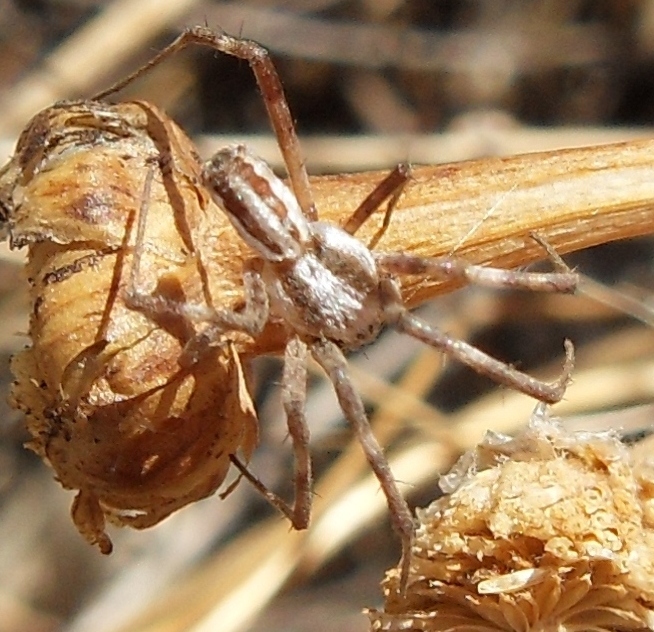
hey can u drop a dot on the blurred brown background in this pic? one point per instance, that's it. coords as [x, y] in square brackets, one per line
[370, 83]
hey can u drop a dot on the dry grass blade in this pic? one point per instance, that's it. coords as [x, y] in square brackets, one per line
[472, 136]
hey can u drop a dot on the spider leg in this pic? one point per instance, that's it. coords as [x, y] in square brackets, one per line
[390, 187]
[250, 320]
[294, 396]
[452, 267]
[294, 392]
[159, 307]
[472, 357]
[271, 90]
[82, 370]
[332, 360]
[134, 296]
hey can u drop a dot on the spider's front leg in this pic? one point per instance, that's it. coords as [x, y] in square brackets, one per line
[502, 373]
[250, 320]
[271, 89]
[161, 307]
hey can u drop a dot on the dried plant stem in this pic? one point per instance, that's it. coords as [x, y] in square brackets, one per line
[485, 210]
[482, 210]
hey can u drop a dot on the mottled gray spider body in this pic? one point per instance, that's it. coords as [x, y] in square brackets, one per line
[320, 281]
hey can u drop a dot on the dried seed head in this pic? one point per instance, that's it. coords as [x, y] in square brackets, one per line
[107, 403]
[547, 531]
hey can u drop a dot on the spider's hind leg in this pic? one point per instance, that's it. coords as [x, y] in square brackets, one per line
[500, 372]
[332, 360]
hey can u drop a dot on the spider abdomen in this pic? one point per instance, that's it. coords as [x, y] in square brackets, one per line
[330, 292]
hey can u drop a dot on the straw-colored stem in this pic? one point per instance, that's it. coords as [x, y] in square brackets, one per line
[485, 210]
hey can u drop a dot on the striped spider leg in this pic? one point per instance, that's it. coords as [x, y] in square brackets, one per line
[331, 291]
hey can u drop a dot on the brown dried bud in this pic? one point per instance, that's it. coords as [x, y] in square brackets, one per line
[547, 531]
[107, 403]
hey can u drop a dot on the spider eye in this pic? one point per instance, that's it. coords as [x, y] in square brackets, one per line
[259, 205]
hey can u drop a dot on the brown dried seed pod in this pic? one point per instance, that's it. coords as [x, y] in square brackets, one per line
[107, 403]
[548, 531]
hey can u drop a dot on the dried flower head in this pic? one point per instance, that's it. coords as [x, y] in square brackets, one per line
[551, 530]
[107, 403]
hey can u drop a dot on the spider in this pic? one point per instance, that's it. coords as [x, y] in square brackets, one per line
[331, 291]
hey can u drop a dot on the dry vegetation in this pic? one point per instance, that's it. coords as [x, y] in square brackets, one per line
[370, 83]
[549, 530]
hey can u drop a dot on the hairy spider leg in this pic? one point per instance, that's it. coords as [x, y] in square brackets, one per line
[294, 397]
[391, 188]
[333, 362]
[398, 315]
